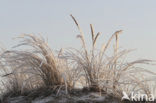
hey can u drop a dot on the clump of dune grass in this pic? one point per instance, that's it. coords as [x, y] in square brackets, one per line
[108, 73]
[34, 66]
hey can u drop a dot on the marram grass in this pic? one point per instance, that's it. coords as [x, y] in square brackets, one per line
[35, 65]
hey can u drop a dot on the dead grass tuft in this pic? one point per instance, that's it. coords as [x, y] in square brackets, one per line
[105, 72]
[32, 68]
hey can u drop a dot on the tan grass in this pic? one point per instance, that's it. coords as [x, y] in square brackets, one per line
[35, 65]
[107, 73]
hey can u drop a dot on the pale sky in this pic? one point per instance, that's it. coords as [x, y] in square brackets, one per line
[51, 18]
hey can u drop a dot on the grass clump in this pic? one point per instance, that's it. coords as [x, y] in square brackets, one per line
[34, 67]
[35, 70]
[105, 72]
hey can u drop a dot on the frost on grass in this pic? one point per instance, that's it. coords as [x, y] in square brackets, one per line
[32, 71]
